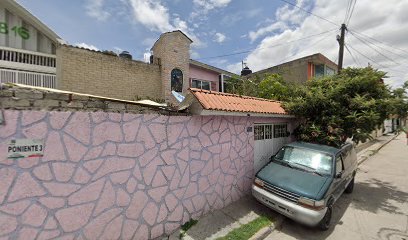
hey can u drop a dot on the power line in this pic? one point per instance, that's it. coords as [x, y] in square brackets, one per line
[276, 45]
[379, 64]
[374, 39]
[365, 43]
[312, 45]
[349, 4]
[377, 45]
[311, 13]
[354, 59]
[351, 13]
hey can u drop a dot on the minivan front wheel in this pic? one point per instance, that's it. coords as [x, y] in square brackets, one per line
[350, 187]
[325, 222]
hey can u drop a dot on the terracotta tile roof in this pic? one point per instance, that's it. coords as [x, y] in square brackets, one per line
[218, 101]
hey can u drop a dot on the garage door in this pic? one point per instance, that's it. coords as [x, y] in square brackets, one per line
[269, 138]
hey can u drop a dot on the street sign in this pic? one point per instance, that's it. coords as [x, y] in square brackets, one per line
[23, 148]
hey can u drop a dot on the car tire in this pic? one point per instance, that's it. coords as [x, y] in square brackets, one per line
[350, 187]
[324, 224]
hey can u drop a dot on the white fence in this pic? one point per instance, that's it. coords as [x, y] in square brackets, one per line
[28, 78]
[27, 57]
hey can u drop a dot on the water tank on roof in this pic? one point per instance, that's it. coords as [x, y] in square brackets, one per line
[245, 70]
[125, 54]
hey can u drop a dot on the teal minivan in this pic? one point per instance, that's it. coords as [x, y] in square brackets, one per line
[303, 181]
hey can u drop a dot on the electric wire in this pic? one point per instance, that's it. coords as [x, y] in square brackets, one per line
[378, 46]
[347, 10]
[365, 43]
[351, 54]
[372, 60]
[276, 45]
[312, 45]
[374, 39]
[351, 13]
[311, 13]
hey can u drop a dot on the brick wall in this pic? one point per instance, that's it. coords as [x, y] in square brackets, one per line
[173, 50]
[85, 71]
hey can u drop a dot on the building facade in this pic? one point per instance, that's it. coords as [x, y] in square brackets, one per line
[27, 47]
[302, 69]
[31, 54]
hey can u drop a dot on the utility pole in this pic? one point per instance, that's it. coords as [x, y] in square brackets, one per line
[340, 39]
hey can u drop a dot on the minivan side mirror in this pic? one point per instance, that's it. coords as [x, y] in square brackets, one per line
[339, 175]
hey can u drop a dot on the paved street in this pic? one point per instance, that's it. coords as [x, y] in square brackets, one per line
[378, 207]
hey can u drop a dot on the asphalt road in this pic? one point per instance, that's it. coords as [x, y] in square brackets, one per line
[378, 207]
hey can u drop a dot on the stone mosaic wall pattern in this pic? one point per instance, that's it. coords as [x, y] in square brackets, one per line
[119, 176]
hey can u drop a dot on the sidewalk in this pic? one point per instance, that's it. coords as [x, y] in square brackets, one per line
[373, 147]
[220, 222]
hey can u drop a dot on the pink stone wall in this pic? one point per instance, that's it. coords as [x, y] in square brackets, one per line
[112, 175]
[203, 74]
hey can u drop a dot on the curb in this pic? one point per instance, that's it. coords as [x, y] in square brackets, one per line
[264, 232]
[362, 159]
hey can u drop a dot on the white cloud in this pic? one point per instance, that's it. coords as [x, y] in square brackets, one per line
[285, 17]
[219, 37]
[389, 25]
[94, 8]
[152, 14]
[202, 7]
[87, 46]
[211, 4]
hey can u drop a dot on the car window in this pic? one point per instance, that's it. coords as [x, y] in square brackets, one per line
[312, 160]
[339, 164]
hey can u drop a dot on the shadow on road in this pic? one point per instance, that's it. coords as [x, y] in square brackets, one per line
[299, 231]
[374, 195]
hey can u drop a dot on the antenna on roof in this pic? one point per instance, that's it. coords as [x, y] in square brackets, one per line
[245, 69]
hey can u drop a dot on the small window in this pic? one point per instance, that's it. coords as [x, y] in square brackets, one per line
[200, 84]
[268, 131]
[330, 71]
[264, 131]
[259, 132]
[319, 70]
[177, 80]
[339, 164]
[280, 130]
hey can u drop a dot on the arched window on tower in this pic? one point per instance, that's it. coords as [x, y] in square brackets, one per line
[177, 80]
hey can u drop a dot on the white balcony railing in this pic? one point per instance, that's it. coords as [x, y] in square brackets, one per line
[23, 60]
[27, 57]
[28, 78]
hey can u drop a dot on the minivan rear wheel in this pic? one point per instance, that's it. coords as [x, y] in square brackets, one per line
[350, 187]
[325, 222]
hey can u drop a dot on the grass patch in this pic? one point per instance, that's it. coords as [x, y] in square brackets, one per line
[186, 226]
[246, 231]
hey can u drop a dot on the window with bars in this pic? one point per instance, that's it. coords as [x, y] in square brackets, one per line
[259, 132]
[280, 130]
[264, 131]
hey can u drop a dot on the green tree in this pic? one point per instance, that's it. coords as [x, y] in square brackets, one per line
[349, 105]
[399, 101]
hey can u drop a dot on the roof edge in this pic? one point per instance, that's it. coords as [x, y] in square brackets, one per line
[33, 20]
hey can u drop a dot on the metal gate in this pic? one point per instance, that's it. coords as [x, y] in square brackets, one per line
[269, 138]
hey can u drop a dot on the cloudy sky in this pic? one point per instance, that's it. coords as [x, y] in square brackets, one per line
[261, 32]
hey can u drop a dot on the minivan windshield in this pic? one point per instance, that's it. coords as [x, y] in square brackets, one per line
[306, 159]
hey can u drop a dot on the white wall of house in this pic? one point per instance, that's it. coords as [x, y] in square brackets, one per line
[10, 37]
